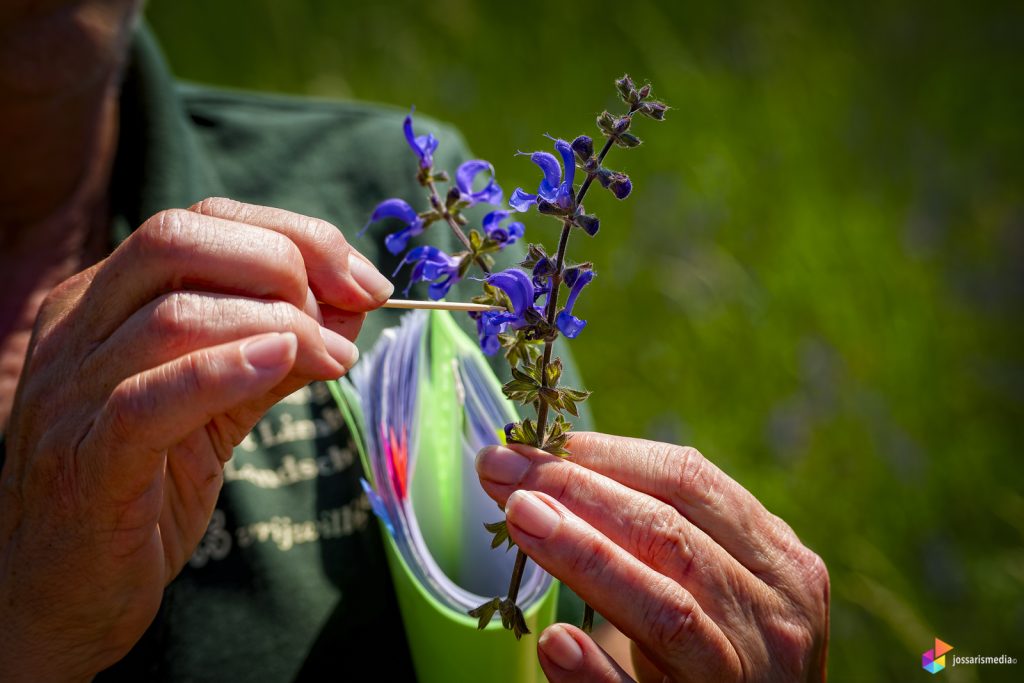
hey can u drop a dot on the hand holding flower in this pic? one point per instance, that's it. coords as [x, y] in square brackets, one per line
[707, 584]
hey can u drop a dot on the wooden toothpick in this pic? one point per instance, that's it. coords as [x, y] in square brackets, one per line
[439, 305]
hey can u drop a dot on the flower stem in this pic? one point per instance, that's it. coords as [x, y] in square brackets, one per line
[438, 205]
[542, 410]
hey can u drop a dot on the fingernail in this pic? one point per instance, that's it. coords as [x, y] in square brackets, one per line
[369, 278]
[340, 349]
[528, 512]
[501, 465]
[312, 308]
[561, 648]
[270, 351]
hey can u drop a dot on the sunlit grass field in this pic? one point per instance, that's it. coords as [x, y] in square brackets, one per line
[817, 280]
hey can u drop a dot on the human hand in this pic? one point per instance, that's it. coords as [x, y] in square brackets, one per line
[143, 373]
[707, 584]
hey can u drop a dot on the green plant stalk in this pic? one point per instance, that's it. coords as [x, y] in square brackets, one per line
[542, 410]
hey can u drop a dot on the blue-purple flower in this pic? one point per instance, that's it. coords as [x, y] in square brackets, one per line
[519, 288]
[423, 146]
[553, 188]
[432, 265]
[576, 279]
[506, 235]
[467, 173]
[396, 242]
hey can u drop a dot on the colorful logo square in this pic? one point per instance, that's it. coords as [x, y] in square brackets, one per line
[933, 661]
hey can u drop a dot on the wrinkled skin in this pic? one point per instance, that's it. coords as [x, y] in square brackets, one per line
[705, 582]
[126, 379]
[144, 372]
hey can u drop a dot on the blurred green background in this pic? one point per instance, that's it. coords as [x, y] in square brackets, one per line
[817, 280]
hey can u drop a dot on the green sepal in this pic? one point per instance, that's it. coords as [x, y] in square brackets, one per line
[627, 140]
[512, 618]
[553, 372]
[500, 531]
[484, 612]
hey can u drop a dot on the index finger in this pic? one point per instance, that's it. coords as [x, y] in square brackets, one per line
[688, 481]
[338, 274]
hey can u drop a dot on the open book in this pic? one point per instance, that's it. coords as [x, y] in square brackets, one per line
[420, 405]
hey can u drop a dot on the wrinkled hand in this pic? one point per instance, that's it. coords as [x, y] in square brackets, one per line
[143, 373]
[707, 584]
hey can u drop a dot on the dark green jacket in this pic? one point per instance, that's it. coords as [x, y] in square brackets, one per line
[290, 581]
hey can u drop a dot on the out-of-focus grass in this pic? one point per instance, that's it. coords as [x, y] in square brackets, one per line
[817, 280]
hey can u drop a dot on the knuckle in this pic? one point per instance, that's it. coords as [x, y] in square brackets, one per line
[689, 474]
[789, 642]
[126, 406]
[662, 542]
[590, 557]
[672, 618]
[190, 375]
[174, 320]
[211, 206]
[165, 229]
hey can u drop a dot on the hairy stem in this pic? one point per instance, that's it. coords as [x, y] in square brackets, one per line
[438, 205]
[542, 409]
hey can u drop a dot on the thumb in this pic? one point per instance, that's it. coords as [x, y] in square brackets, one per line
[567, 654]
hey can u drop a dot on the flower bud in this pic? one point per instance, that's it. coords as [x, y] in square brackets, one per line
[626, 88]
[627, 140]
[606, 122]
[644, 91]
[622, 125]
[620, 185]
[589, 224]
[453, 197]
[583, 146]
[655, 110]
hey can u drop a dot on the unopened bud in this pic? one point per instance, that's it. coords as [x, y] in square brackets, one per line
[583, 146]
[589, 224]
[655, 110]
[620, 185]
[606, 122]
[625, 87]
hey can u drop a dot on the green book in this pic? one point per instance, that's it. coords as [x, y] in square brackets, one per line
[421, 404]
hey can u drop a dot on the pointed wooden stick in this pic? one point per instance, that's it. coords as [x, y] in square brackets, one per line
[439, 305]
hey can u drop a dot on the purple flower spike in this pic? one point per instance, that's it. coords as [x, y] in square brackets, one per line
[504, 236]
[396, 242]
[432, 265]
[576, 279]
[423, 146]
[467, 173]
